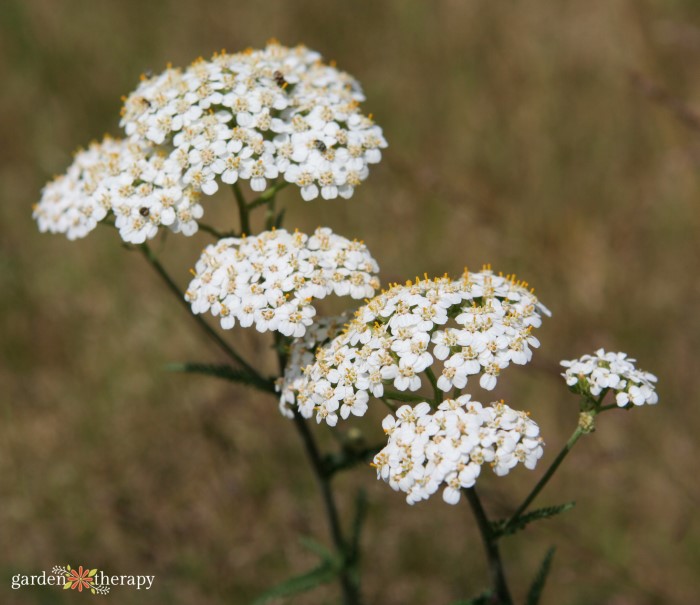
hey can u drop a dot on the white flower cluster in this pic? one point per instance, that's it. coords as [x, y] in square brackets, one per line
[448, 446]
[301, 354]
[271, 279]
[592, 374]
[257, 115]
[123, 178]
[401, 332]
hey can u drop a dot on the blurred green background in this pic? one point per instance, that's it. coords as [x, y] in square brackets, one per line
[553, 139]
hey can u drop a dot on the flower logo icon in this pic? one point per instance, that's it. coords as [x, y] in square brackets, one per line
[80, 578]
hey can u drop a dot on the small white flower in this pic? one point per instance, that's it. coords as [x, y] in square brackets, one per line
[594, 374]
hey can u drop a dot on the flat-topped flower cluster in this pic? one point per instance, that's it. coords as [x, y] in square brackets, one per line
[428, 449]
[399, 335]
[124, 179]
[271, 279]
[594, 374]
[257, 115]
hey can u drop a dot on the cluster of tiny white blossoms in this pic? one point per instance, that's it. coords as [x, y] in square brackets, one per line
[259, 115]
[301, 354]
[123, 178]
[271, 279]
[401, 333]
[277, 113]
[427, 449]
[593, 374]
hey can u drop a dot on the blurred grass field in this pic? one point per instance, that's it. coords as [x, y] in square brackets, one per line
[551, 139]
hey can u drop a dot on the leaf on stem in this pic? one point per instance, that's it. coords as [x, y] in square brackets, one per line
[323, 574]
[331, 565]
[507, 527]
[224, 372]
[485, 598]
[535, 592]
[319, 550]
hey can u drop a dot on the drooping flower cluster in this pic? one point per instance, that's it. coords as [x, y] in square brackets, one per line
[593, 374]
[428, 449]
[301, 354]
[261, 116]
[120, 177]
[271, 279]
[402, 332]
[258, 115]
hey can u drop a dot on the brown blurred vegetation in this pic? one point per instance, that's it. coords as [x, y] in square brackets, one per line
[554, 139]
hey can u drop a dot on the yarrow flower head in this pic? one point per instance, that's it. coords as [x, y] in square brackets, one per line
[593, 374]
[478, 324]
[258, 115]
[120, 178]
[429, 449]
[271, 279]
[277, 114]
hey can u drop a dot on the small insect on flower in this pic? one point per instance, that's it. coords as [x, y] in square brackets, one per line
[143, 211]
[320, 145]
[279, 79]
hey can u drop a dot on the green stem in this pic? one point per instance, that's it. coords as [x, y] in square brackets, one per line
[349, 586]
[548, 475]
[592, 407]
[267, 195]
[433, 381]
[498, 578]
[392, 407]
[211, 231]
[400, 396]
[270, 214]
[242, 209]
[172, 286]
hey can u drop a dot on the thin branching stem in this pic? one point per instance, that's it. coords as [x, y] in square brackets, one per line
[210, 332]
[351, 594]
[400, 396]
[576, 435]
[242, 209]
[501, 593]
[592, 407]
[209, 229]
[433, 381]
[391, 406]
[267, 196]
